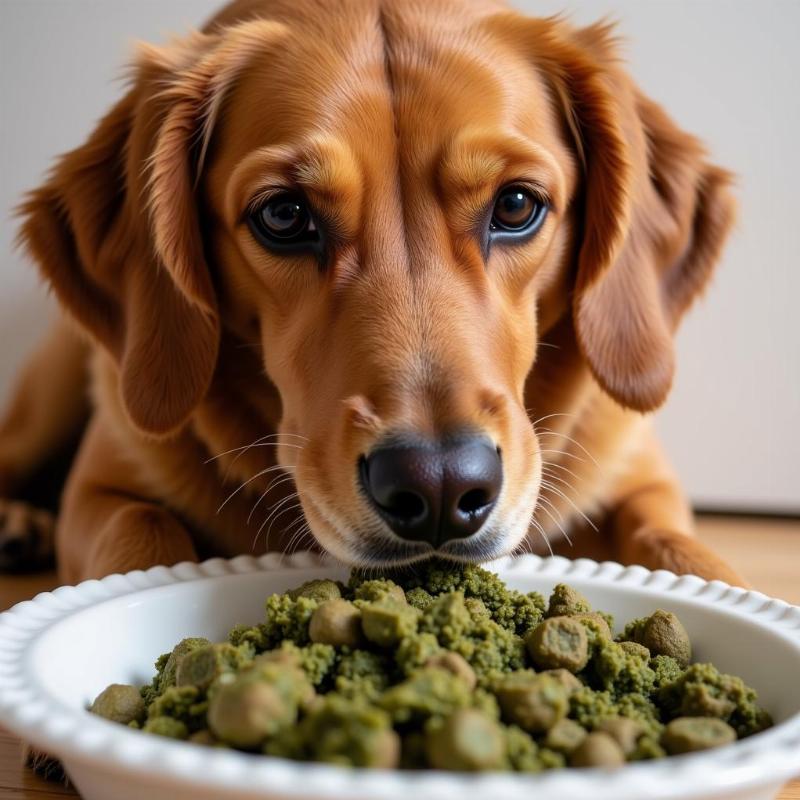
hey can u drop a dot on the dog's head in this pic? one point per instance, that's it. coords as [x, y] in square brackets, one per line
[393, 203]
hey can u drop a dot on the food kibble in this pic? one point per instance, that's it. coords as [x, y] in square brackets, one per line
[559, 642]
[534, 702]
[119, 703]
[387, 622]
[688, 734]
[456, 664]
[662, 634]
[443, 667]
[625, 731]
[336, 622]
[597, 750]
[467, 740]
[565, 736]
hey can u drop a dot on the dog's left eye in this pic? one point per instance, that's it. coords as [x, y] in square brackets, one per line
[517, 211]
[285, 222]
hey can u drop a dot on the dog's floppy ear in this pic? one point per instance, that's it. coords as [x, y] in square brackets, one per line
[655, 214]
[116, 233]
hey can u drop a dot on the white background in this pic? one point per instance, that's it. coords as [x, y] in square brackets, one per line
[727, 70]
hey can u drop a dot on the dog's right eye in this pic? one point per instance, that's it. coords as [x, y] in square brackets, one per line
[284, 222]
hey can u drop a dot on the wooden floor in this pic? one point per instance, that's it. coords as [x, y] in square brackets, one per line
[765, 552]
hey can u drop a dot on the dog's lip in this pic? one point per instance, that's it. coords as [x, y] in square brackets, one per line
[384, 550]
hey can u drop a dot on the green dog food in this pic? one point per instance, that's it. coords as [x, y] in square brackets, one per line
[443, 668]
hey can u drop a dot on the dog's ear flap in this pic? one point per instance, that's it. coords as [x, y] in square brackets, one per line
[139, 287]
[655, 214]
[675, 214]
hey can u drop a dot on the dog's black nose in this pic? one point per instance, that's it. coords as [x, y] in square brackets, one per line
[434, 492]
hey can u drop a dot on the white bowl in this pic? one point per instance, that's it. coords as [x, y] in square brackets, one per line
[59, 650]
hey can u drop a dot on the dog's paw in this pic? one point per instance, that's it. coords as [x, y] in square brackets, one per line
[680, 553]
[27, 541]
[45, 766]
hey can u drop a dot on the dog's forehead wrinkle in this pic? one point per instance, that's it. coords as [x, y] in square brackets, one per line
[384, 28]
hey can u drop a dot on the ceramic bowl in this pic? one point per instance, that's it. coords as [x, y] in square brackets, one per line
[59, 650]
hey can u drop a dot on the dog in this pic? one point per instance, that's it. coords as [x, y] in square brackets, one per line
[386, 278]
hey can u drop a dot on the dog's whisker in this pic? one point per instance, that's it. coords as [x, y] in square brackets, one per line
[275, 518]
[264, 438]
[558, 524]
[248, 481]
[562, 481]
[563, 453]
[302, 516]
[539, 528]
[278, 505]
[298, 538]
[273, 510]
[546, 431]
[274, 483]
[257, 443]
[276, 510]
[553, 488]
[523, 547]
[548, 464]
[548, 416]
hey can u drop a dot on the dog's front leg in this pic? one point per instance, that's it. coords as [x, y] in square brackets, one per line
[652, 522]
[107, 522]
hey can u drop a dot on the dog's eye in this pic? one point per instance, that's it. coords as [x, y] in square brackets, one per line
[517, 211]
[284, 222]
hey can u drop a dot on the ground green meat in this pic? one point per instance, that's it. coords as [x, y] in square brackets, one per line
[428, 692]
[525, 755]
[441, 667]
[167, 666]
[566, 602]
[702, 691]
[415, 651]
[621, 671]
[288, 618]
[342, 731]
[186, 703]
[361, 673]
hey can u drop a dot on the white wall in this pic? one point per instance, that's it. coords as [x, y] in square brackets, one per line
[726, 69]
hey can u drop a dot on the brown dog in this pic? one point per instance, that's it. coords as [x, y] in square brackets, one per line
[398, 276]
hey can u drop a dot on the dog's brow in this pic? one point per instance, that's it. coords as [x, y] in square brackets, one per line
[328, 170]
[473, 163]
[324, 168]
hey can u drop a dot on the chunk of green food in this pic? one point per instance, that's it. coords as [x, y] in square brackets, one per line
[387, 621]
[689, 734]
[203, 665]
[467, 740]
[319, 590]
[534, 703]
[559, 643]
[119, 703]
[455, 664]
[597, 750]
[566, 601]
[336, 622]
[626, 732]
[340, 731]
[662, 634]
[565, 736]
[245, 709]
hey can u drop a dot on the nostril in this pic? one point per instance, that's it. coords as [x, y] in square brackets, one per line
[406, 506]
[473, 501]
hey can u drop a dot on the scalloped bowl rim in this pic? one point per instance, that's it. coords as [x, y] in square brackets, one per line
[41, 719]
